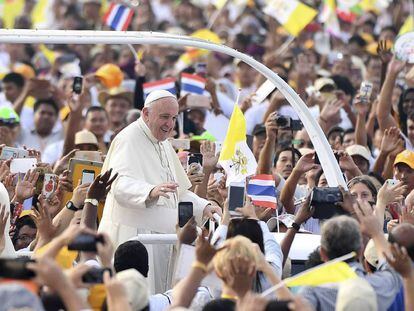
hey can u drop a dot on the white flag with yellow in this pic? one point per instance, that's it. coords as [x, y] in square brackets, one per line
[236, 158]
[293, 15]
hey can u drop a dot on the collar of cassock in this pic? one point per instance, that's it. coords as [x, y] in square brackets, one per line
[147, 131]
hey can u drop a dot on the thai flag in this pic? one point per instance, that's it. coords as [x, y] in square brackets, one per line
[262, 191]
[167, 84]
[192, 84]
[118, 16]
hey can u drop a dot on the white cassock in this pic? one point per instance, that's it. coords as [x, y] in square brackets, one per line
[143, 163]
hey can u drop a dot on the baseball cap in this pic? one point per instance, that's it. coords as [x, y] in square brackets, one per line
[8, 116]
[110, 75]
[136, 287]
[406, 157]
[85, 137]
[157, 94]
[322, 82]
[359, 150]
[370, 254]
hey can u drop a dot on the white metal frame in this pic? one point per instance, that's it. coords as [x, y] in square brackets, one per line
[329, 164]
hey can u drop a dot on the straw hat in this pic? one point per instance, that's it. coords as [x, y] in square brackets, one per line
[118, 92]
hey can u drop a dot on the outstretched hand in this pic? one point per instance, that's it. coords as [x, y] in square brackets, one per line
[101, 186]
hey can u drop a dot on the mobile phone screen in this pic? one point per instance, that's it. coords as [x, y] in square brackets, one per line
[88, 176]
[77, 85]
[236, 197]
[185, 212]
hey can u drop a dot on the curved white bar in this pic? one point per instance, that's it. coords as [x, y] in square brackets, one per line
[329, 164]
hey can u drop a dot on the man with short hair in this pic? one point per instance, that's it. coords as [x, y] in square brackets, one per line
[46, 113]
[151, 182]
[342, 235]
[404, 169]
[97, 122]
[117, 102]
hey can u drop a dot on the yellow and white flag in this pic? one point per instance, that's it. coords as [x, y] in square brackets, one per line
[236, 158]
[293, 15]
[407, 26]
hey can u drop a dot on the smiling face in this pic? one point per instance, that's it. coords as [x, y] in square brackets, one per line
[160, 117]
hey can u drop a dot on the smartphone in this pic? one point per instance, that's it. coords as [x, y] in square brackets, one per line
[236, 196]
[323, 201]
[88, 176]
[195, 160]
[49, 185]
[185, 212]
[365, 91]
[218, 176]
[16, 268]
[77, 85]
[85, 242]
[198, 101]
[95, 275]
[13, 153]
[22, 165]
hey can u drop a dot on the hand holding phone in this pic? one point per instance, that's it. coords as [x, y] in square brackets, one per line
[95, 275]
[77, 85]
[195, 160]
[236, 196]
[85, 242]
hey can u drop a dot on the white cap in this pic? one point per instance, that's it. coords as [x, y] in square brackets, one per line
[358, 150]
[158, 94]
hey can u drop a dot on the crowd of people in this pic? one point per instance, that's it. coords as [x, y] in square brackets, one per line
[60, 250]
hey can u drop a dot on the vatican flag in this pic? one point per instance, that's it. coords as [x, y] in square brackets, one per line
[236, 158]
[293, 15]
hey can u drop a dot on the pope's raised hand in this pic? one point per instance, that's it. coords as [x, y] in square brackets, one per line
[163, 190]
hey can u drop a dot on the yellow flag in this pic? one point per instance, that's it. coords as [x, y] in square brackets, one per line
[407, 26]
[12, 9]
[334, 272]
[49, 54]
[293, 15]
[236, 158]
[39, 17]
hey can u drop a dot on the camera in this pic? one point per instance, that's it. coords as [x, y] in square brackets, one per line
[326, 195]
[285, 122]
[324, 200]
[85, 242]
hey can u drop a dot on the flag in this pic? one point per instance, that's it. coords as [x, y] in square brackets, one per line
[328, 273]
[192, 84]
[40, 14]
[407, 26]
[193, 54]
[118, 16]
[262, 191]
[293, 15]
[329, 18]
[167, 84]
[11, 9]
[235, 157]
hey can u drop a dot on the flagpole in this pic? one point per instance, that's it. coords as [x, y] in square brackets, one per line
[131, 48]
[283, 283]
[285, 46]
[216, 15]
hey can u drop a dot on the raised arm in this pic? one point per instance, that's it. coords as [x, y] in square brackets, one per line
[267, 154]
[384, 108]
[305, 164]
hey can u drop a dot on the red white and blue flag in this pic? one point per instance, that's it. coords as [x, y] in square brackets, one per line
[167, 84]
[192, 84]
[118, 16]
[262, 191]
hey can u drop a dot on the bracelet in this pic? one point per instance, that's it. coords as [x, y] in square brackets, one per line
[199, 265]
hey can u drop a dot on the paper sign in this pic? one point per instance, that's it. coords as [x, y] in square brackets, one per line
[262, 92]
[404, 47]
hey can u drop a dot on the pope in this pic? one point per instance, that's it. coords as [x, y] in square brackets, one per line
[151, 182]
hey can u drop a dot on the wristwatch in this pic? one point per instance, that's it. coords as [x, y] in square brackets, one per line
[93, 202]
[72, 206]
[295, 226]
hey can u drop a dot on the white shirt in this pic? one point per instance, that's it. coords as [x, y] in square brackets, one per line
[31, 139]
[345, 122]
